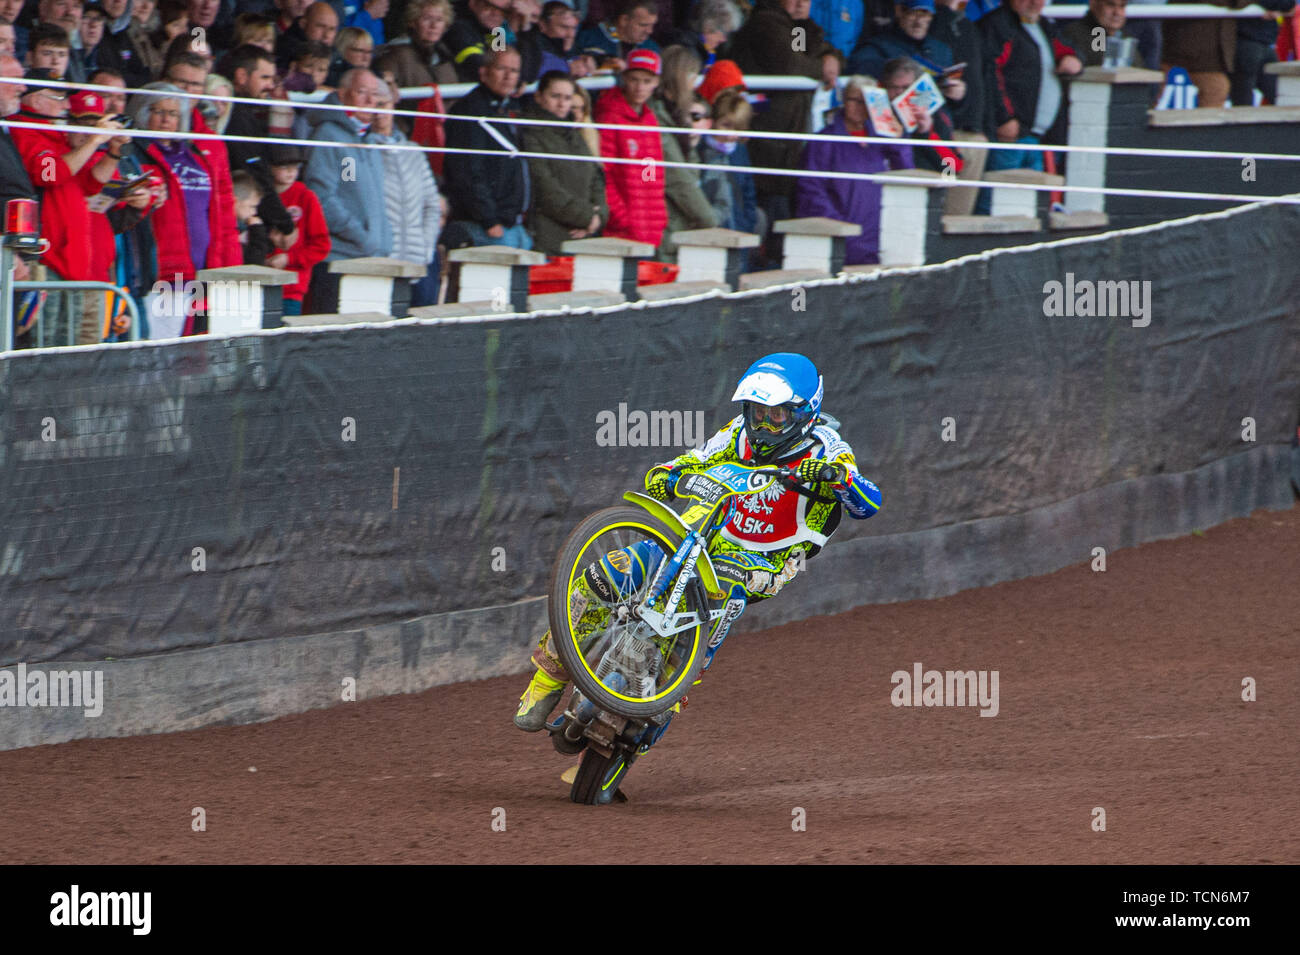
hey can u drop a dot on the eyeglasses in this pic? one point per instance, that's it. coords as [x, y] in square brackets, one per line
[165, 113]
[696, 117]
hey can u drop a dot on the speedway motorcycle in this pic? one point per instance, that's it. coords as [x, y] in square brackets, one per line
[634, 652]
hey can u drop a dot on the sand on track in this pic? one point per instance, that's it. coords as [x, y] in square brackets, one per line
[1119, 690]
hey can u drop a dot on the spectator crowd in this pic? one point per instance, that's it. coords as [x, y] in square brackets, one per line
[148, 214]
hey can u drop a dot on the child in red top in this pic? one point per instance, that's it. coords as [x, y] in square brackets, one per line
[311, 236]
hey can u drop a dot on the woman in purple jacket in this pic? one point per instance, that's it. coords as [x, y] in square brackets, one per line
[850, 200]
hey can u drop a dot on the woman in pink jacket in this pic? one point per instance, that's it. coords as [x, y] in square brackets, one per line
[635, 191]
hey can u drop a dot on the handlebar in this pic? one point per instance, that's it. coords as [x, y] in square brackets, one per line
[788, 475]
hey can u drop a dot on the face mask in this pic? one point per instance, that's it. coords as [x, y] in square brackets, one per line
[725, 148]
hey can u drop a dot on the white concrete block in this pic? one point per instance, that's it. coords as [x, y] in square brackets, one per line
[234, 307]
[1090, 93]
[905, 197]
[1288, 91]
[698, 263]
[1014, 202]
[807, 252]
[598, 273]
[366, 293]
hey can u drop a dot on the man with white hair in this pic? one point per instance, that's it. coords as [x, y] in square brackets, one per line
[348, 181]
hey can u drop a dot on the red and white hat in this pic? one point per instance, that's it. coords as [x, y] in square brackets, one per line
[647, 60]
[85, 103]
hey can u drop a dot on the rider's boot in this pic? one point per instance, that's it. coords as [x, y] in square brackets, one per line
[544, 689]
[538, 700]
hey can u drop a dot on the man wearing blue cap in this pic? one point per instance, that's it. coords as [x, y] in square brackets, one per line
[909, 36]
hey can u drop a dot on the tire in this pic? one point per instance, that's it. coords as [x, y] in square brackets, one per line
[586, 544]
[599, 777]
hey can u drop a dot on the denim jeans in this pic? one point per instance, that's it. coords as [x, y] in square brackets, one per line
[515, 236]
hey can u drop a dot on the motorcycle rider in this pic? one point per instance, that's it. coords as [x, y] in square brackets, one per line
[765, 543]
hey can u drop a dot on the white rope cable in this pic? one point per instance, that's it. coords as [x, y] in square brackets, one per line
[1159, 11]
[748, 134]
[943, 182]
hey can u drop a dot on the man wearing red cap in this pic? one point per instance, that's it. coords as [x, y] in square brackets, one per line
[634, 190]
[65, 173]
[88, 108]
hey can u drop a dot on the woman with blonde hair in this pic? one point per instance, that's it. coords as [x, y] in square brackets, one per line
[426, 24]
[218, 85]
[356, 46]
[677, 84]
[582, 119]
[687, 206]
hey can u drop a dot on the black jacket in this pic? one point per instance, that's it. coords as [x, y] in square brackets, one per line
[975, 112]
[484, 189]
[467, 41]
[14, 183]
[1018, 70]
[249, 120]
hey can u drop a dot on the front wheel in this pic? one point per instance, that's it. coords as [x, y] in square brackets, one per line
[618, 662]
[599, 777]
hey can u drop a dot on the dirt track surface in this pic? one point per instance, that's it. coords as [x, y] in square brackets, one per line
[1120, 690]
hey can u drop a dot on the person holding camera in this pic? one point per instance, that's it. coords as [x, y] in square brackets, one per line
[67, 168]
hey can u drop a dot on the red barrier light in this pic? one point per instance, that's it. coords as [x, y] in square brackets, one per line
[21, 217]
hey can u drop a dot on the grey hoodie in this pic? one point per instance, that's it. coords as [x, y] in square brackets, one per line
[349, 183]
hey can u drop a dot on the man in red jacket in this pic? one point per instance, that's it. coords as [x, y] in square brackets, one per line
[635, 190]
[64, 177]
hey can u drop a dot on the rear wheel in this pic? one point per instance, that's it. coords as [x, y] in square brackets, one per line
[595, 636]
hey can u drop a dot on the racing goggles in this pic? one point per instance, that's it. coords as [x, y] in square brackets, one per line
[774, 419]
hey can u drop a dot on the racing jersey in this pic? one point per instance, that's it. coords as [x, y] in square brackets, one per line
[778, 520]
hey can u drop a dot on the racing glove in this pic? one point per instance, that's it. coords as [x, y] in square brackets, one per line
[660, 484]
[813, 471]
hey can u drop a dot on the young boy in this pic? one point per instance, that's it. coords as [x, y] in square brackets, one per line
[311, 239]
[308, 70]
[49, 49]
[637, 208]
[252, 233]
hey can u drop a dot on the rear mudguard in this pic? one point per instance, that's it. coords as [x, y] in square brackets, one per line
[669, 517]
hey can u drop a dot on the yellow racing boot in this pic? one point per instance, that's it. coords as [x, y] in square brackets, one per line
[537, 702]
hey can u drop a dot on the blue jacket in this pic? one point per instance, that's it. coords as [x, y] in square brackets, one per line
[840, 20]
[350, 185]
[869, 58]
[599, 41]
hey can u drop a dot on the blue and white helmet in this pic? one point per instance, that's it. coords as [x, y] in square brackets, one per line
[782, 397]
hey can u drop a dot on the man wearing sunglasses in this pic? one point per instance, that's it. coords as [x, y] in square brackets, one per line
[64, 177]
